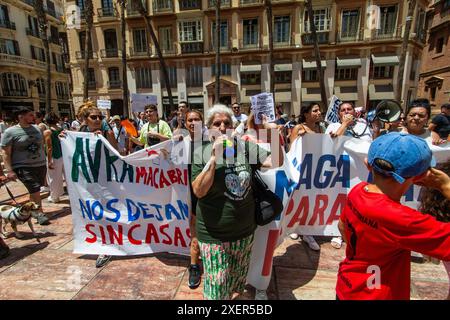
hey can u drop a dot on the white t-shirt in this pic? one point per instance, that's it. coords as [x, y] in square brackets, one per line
[241, 118]
[361, 129]
[121, 141]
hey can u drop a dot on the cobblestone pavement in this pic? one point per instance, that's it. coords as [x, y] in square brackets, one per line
[50, 270]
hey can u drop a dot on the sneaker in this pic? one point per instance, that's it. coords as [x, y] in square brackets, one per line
[42, 219]
[294, 236]
[45, 189]
[102, 260]
[261, 295]
[53, 200]
[194, 276]
[312, 244]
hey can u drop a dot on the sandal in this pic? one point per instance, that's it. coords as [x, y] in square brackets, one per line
[336, 242]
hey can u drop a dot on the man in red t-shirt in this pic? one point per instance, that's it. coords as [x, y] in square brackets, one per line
[379, 231]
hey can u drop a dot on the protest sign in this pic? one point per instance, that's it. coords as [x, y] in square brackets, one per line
[139, 101]
[104, 104]
[262, 104]
[126, 205]
[332, 115]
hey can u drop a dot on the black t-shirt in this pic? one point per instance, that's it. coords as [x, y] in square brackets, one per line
[442, 123]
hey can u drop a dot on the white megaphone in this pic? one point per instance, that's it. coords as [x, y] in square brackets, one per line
[386, 111]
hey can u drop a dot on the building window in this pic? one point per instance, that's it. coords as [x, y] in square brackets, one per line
[223, 34]
[283, 77]
[346, 74]
[14, 85]
[309, 75]
[189, 4]
[82, 37]
[383, 72]
[172, 71]
[350, 23]
[190, 31]
[140, 40]
[388, 19]
[420, 26]
[165, 36]
[251, 78]
[54, 35]
[114, 76]
[40, 84]
[321, 20]
[37, 53]
[33, 25]
[9, 47]
[250, 29]
[62, 90]
[91, 78]
[225, 69]
[143, 78]
[194, 76]
[282, 29]
[4, 16]
[433, 93]
[439, 45]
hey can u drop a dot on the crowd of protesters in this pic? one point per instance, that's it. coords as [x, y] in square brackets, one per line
[222, 229]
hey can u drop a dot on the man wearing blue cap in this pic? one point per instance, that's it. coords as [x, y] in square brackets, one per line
[379, 231]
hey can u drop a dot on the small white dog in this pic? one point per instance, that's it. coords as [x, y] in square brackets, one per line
[16, 216]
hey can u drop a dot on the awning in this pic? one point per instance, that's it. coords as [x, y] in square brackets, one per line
[195, 100]
[344, 63]
[313, 65]
[385, 60]
[346, 95]
[283, 67]
[250, 68]
[310, 95]
[381, 92]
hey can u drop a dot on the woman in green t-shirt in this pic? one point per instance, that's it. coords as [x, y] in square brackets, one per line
[225, 210]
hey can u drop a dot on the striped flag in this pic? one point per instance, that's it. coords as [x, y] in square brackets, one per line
[332, 115]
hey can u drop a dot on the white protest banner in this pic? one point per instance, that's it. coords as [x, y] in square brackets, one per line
[126, 205]
[262, 104]
[313, 185]
[139, 101]
[104, 104]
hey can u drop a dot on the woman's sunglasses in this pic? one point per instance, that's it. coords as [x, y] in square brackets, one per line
[96, 117]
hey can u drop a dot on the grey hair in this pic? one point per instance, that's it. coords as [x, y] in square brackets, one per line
[218, 109]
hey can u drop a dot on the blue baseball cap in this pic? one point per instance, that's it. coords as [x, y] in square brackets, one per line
[408, 154]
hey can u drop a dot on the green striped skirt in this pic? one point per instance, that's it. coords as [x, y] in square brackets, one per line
[225, 267]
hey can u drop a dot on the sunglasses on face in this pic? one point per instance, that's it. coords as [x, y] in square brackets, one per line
[218, 123]
[96, 117]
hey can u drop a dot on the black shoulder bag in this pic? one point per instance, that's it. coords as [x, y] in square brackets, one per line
[267, 204]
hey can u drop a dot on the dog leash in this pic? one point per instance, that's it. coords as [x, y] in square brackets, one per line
[10, 193]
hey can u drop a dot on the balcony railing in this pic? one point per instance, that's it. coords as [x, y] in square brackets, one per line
[106, 12]
[132, 10]
[282, 44]
[14, 93]
[163, 6]
[386, 34]
[110, 53]
[114, 84]
[60, 68]
[250, 2]
[81, 54]
[350, 36]
[138, 52]
[7, 24]
[64, 96]
[223, 4]
[322, 38]
[192, 47]
[55, 41]
[32, 32]
[19, 60]
[248, 46]
[223, 46]
[190, 4]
